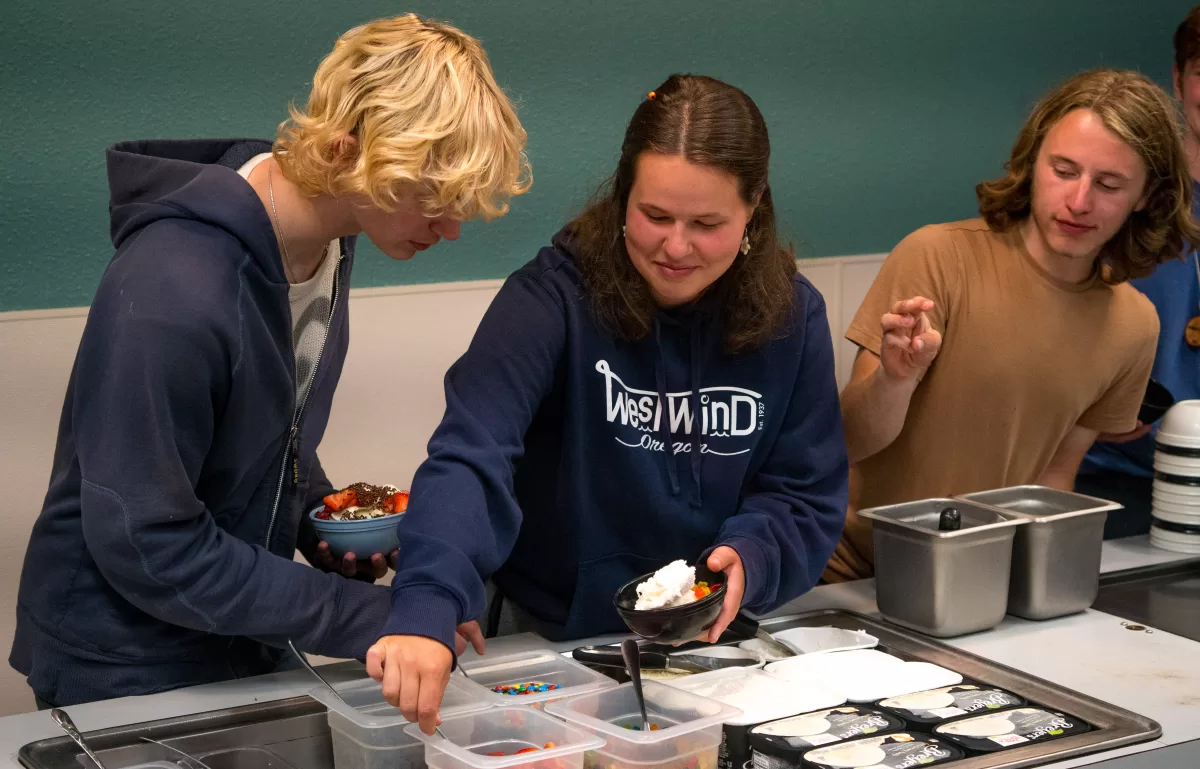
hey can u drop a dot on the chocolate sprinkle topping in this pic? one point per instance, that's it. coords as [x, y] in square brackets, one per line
[370, 496]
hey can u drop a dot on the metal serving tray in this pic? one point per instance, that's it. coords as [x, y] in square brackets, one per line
[296, 729]
[1166, 596]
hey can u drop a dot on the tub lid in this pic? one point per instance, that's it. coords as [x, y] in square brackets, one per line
[759, 697]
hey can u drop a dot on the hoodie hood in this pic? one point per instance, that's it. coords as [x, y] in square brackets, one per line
[195, 180]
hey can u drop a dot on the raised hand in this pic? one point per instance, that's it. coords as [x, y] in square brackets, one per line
[910, 342]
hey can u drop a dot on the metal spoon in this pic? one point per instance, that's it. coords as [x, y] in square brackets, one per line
[633, 663]
[188, 756]
[321, 678]
[67, 725]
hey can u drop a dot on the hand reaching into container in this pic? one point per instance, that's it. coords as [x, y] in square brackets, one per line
[414, 671]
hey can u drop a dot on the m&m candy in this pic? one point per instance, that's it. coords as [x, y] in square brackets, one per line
[527, 687]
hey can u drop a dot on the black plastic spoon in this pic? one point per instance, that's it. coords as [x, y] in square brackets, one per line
[633, 663]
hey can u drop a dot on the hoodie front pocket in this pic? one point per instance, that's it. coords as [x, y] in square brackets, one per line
[592, 611]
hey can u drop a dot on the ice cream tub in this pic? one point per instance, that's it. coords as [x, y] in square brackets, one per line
[863, 675]
[781, 744]
[760, 698]
[1010, 728]
[928, 709]
[891, 751]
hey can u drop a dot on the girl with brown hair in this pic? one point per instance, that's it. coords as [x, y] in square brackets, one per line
[657, 384]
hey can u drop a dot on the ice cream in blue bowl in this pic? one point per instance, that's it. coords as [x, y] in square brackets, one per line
[361, 519]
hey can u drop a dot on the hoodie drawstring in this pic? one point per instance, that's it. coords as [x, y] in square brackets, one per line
[697, 494]
[664, 426]
[664, 416]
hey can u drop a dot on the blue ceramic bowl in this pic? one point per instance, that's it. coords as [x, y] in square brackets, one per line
[363, 538]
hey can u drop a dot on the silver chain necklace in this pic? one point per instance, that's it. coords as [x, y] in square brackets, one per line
[287, 258]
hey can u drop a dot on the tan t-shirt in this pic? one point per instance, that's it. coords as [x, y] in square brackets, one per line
[1025, 357]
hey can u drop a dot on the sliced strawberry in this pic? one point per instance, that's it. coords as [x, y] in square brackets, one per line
[525, 750]
[340, 500]
[400, 501]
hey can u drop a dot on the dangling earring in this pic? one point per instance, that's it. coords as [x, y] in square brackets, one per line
[622, 230]
[745, 249]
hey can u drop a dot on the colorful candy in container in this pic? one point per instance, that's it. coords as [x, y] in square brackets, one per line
[524, 688]
[532, 678]
[685, 729]
[505, 738]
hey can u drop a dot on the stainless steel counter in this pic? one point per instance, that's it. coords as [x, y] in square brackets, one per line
[1154, 674]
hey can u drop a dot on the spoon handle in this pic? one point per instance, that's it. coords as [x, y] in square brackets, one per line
[67, 725]
[309, 667]
[633, 662]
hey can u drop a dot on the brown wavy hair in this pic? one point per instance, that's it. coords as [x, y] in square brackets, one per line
[1187, 40]
[1140, 113]
[714, 124]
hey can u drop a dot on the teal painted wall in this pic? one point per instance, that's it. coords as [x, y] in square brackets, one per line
[883, 114]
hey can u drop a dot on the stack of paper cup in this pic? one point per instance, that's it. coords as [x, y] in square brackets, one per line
[1176, 504]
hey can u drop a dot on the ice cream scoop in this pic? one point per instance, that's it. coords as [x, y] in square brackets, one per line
[669, 586]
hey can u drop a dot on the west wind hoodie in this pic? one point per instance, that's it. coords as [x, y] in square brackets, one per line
[569, 462]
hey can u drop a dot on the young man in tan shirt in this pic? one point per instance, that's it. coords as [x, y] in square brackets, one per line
[994, 350]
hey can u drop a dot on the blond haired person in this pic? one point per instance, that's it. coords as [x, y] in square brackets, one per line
[995, 350]
[187, 450]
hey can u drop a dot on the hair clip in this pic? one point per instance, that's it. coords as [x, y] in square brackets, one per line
[651, 95]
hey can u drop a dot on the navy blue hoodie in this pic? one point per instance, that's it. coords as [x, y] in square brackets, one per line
[569, 462]
[163, 553]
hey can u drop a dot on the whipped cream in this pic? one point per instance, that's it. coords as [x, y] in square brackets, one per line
[669, 586]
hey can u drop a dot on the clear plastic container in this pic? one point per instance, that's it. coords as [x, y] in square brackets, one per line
[470, 738]
[568, 677]
[370, 734]
[688, 734]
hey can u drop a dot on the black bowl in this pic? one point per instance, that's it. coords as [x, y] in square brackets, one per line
[1155, 403]
[673, 624]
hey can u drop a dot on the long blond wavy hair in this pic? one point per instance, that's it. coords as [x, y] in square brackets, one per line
[1144, 117]
[420, 101]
